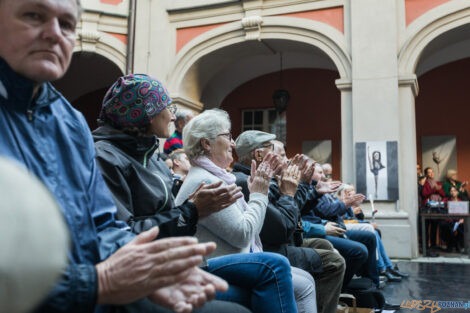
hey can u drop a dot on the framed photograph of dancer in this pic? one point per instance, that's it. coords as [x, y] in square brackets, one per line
[440, 154]
[377, 170]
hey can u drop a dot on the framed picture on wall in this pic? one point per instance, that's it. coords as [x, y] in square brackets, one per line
[377, 170]
[320, 151]
[439, 153]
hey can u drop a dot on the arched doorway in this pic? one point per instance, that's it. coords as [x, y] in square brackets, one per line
[212, 67]
[434, 42]
[86, 82]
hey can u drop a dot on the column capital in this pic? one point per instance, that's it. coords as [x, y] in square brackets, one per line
[344, 84]
[195, 106]
[409, 80]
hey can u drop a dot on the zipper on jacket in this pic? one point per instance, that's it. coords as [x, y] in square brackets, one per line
[146, 154]
[29, 115]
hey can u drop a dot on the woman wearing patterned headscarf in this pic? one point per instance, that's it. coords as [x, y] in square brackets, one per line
[136, 111]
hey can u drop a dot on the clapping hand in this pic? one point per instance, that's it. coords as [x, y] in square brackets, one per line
[212, 198]
[193, 292]
[289, 181]
[327, 187]
[261, 177]
[146, 265]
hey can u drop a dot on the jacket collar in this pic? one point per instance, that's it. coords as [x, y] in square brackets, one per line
[137, 147]
[16, 91]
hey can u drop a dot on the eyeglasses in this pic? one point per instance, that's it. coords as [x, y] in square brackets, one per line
[172, 108]
[228, 135]
[267, 146]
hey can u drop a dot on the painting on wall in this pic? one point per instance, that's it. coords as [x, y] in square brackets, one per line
[320, 151]
[439, 153]
[377, 170]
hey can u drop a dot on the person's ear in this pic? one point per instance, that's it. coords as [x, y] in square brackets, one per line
[206, 145]
[176, 163]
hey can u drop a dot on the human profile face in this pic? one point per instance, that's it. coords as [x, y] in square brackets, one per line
[221, 149]
[454, 193]
[430, 173]
[37, 37]
[160, 124]
[318, 174]
[183, 164]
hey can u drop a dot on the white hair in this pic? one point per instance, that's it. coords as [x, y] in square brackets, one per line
[206, 125]
[182, 115]
[343, 187]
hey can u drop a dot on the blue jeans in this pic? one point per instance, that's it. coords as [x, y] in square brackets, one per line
[260, 281]
[359, 252]
[383, 261]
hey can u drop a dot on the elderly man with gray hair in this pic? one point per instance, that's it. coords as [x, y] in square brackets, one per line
[281, 231]
[176, 140]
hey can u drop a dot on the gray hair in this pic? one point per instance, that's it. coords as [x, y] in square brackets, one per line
[182, 115]
[206, 125]
[340, 190]
[177, 154]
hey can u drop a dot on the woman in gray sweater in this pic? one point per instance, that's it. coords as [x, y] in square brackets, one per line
[209, 145]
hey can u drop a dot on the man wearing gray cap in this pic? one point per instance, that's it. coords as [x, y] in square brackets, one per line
[281, 232]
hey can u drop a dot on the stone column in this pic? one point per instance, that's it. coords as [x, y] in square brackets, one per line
[408, 90]
[347, 147]
[376, 106]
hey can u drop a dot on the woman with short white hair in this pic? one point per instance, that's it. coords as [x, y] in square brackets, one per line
[209, 146]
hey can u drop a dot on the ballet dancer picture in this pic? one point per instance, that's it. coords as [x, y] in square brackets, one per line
[375, 165]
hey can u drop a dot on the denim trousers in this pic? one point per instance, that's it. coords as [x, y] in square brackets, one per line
[259, 281]
[359, 251]
[383, 262]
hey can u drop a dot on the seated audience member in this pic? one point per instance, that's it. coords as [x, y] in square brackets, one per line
[181, 166]
[52, 140]
[354, 220]
[209, 146]
[141, 183]
[328, 171]
[432, 191]
[280, 232]
[357, 247]
[166, 158]
[175, 141]
[453, 182]
[453, 229]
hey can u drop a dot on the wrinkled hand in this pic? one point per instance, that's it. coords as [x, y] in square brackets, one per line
[332, 230]
[289, 180]
[191, 293]
[212, 198]
[353, 200]
[261, 177]
[306, 170]
[145, 265]
[357, 210]
[327, 187]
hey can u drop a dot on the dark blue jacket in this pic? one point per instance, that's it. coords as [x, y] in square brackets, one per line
[54, 142]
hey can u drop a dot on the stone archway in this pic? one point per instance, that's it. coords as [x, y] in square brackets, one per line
[187, 79]
[86, 82]
[420, 35]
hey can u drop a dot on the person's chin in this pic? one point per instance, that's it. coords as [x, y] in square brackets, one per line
[44, 71]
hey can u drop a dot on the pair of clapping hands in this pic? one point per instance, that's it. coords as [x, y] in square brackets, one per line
[300, 170]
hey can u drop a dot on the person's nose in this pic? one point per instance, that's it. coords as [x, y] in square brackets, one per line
[173, 117]
[52, 31]
[232, 143]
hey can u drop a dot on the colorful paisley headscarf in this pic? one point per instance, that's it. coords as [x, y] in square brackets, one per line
[133, 101]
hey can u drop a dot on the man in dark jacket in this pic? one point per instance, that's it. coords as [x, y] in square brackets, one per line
[43, 132]
[282, 232]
